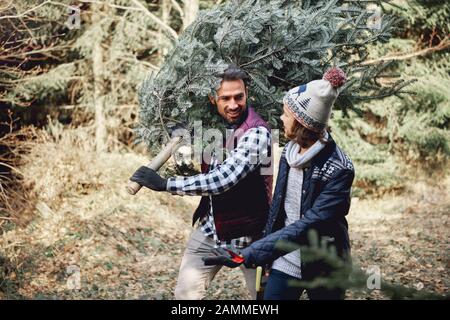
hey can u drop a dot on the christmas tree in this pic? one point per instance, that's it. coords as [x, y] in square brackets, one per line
[279, 44]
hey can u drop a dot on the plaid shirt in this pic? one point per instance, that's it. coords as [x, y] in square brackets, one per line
[252, 151]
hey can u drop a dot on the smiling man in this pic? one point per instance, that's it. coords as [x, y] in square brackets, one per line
[236, 195]
[231, 98]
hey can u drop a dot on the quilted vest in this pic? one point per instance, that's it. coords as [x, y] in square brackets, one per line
[243, 209]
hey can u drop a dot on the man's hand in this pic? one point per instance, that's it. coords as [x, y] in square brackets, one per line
[149, 178]
[223, 257]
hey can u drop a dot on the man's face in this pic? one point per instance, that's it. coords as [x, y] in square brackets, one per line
[231, 100]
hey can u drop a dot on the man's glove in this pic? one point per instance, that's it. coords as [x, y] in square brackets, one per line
[149, 178]
[223, 257]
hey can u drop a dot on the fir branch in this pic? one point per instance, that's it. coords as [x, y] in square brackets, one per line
[279, 44]
[163, 125]
[272, 53]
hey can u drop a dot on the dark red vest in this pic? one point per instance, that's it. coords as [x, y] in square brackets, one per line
[243, 209]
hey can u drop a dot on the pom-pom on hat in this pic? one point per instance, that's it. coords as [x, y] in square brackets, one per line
[311, 103]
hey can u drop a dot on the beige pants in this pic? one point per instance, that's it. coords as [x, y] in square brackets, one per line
[194, 277]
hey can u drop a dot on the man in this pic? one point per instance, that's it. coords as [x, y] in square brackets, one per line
[236, 195]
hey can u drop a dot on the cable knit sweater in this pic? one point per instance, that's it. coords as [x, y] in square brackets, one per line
[290, 263]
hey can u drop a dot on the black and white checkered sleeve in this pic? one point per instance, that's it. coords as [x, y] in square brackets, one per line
[251, 151]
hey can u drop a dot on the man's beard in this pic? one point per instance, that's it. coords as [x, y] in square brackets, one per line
[236, 123]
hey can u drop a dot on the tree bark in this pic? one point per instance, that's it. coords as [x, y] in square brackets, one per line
[190, 9]
[99, 85]
[443, 45]
[164, 26]
[166, 6]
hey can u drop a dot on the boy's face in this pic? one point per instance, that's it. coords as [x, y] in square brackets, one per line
[231, 100]
[288, 122]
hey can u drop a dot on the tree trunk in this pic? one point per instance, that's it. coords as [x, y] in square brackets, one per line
[99, 85]
[190, 9]
[166, 6]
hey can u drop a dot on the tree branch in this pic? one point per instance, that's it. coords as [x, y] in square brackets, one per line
[274, 52]
[443, 45]
[140, 7]
[33, 9]
[25, 12]
[7, 6]
[16, 54]
[177, 6]
[156, 20]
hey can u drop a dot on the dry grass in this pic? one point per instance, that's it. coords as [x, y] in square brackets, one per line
[130, 247]
[86, 218]
[407, 236]
[16, 197]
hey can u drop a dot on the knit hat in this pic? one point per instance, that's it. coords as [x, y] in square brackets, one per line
[311, 103]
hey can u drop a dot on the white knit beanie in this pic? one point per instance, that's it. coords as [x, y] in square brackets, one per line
[311, 103]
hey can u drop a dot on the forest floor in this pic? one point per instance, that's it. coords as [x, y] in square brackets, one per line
[130, 247]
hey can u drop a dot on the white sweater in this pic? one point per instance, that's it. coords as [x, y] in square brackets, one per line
[290, 263]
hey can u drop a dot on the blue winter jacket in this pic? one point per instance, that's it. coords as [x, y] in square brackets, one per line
[325, 203]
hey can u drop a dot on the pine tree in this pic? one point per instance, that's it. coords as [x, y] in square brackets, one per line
[280, 44]
[95, 68]
[393, 140]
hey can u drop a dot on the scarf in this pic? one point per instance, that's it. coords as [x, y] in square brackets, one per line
[297, 160]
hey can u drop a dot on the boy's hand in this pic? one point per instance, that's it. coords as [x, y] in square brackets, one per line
[223, 257]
